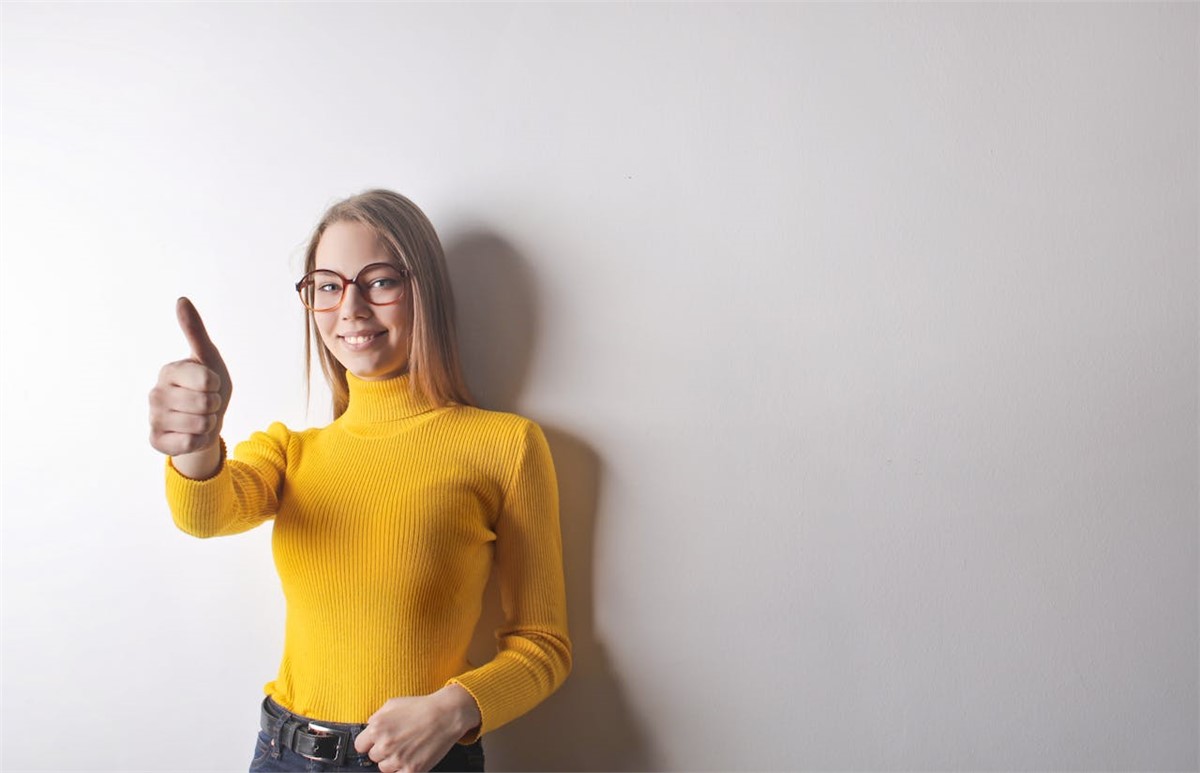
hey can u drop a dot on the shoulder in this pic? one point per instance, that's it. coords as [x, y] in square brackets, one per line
[499, 420]
[281, 432]
[502, 432]
[279, 435]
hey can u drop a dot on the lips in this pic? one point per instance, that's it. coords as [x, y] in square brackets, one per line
[360, 338]
[356, 342]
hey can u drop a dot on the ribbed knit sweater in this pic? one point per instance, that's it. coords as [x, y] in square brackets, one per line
[386, 526]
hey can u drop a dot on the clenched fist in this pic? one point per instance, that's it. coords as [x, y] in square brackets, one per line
[187, 405]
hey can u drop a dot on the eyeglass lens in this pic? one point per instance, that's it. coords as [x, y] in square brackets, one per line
[323, 290]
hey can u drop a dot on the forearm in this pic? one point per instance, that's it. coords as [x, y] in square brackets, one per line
[229, 495]
[233, 499]
[527, 670]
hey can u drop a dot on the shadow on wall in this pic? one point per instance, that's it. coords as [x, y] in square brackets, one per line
[586, 724]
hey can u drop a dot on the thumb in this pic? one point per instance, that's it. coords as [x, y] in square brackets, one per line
[203, 349]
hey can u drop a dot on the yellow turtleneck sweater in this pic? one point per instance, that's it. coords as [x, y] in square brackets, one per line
[387, 523]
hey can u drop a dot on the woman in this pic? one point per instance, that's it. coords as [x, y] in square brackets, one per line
[387, 521]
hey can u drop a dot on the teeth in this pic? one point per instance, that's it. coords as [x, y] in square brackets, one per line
[359, 339]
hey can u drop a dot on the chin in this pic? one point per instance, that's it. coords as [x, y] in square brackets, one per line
[379, 373]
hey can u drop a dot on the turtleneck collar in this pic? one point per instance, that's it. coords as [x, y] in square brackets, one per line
[372, 402]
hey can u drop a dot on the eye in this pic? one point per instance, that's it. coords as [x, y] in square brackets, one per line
[329, 287]
[384, 282]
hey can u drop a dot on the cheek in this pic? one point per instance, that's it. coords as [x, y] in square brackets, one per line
[325, 329]
[399, 319]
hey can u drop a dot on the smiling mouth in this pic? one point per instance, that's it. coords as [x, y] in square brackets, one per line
[362, 339]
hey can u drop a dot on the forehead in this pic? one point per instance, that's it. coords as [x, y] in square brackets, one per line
[347, 246]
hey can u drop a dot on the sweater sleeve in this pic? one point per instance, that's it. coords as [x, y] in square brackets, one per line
[242, 494]
[533, 647]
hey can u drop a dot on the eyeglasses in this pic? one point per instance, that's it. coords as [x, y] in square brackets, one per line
[382, 284]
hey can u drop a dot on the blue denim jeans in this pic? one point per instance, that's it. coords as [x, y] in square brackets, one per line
[270, 756]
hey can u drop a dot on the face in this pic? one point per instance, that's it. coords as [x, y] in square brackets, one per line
[370, 341]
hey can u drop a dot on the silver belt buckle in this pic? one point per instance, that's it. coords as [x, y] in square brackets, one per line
[326, 732]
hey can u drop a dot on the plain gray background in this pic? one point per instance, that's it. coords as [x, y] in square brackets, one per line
[865, 337]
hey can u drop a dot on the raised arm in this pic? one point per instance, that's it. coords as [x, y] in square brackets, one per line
[207, 495]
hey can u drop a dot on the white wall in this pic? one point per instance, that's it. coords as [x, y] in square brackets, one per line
[865, 337]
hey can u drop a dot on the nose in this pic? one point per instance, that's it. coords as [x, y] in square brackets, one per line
[354, 303]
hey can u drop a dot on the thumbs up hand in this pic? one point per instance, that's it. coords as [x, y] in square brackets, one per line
[187, 405]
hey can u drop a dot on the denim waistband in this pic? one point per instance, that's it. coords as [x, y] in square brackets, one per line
[281, 720]
[272, 707]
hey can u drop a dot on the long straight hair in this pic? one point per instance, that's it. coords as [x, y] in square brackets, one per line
[412, 243]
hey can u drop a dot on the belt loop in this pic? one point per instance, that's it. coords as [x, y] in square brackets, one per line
[277, 752]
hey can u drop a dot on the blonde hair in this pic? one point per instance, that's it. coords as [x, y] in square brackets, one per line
[433, 364]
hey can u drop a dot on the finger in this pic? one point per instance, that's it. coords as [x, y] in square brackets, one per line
[381, 749]
[169, 398]
[203, 349]
[190, 375]
[186, 423]
[364, 742]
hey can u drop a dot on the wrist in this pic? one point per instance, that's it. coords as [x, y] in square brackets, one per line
[463, 711]
[202, 464]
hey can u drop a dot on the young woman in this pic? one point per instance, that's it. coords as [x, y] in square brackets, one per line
[387, 521]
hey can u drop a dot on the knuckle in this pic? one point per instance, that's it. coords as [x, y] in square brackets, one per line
[165, 401]
[158, 396]
[172, 371]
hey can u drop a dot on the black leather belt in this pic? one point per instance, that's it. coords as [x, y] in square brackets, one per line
[328, 743]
